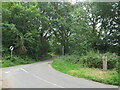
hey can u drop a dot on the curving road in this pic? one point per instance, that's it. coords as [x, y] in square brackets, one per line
[42, 75]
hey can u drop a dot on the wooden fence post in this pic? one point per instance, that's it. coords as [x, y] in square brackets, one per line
[104, 62]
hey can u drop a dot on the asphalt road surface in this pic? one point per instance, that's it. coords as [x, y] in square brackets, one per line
[42, 75]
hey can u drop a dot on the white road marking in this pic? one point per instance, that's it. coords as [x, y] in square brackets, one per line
[13, 70]
[24, 70]
[7, 72]
[48, 81]
[41, 78]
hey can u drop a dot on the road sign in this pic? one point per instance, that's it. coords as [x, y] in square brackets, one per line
[11, 48]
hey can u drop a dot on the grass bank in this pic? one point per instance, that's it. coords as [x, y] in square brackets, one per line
[77, 70]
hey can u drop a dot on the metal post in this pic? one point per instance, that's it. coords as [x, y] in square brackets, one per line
[11, 54]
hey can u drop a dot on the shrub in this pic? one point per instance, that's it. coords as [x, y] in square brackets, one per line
[95, 59]
[7, 63]
[92, 59]
[16, 60]
[112, 60]
[71, 59]
[118, 67]
[5, 50]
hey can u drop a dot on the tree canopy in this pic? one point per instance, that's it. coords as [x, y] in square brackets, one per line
[39, 28]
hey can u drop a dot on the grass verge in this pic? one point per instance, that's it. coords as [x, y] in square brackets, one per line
[108, 77]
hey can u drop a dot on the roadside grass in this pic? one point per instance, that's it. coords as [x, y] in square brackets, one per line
[95, 74]
[19, 60]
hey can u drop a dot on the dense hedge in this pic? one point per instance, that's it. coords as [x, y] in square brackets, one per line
[18, 59]
[94, 60]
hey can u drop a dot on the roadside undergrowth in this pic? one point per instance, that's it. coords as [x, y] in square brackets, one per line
[77, 70]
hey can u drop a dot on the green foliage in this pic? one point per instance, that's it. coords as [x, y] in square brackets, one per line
[95, 59]
[71, 59]
[107, 34]
[36, 29]
[113, 59]
[20, 29]
[7, 63]
[92, 60]
[19, 60]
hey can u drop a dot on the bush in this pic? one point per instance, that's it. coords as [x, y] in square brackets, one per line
[112, 59]
[71, 59]
[7, 63]
[16, 60]
[5, 51]
[95, 59]
[92, 59]
[62, 64]
[118, 67]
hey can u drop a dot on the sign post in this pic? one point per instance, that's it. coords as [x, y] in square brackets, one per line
[11, 49]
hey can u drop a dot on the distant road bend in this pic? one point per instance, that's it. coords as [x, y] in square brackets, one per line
[42, 75]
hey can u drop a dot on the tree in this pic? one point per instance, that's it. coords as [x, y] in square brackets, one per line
[22, 23]
[62, 22]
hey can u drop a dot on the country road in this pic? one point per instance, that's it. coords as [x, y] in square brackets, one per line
[42, 75]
